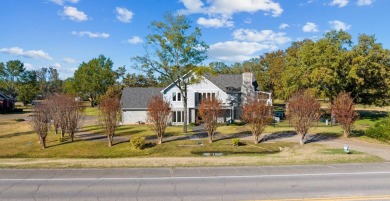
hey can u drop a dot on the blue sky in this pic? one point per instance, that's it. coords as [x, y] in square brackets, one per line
[64, 33]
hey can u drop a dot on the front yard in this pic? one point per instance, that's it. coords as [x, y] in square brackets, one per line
[19, 143]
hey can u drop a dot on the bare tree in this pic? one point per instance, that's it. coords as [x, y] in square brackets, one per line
[343, 110]
[257, 114]
[62, 104]
[209, 110]
[53, 106]
[40, 122]
[110, 112]
[74, 116]
[303, 109]
[159, 113]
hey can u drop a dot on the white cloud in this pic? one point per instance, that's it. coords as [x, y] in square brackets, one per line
[73, 14]
[91, 34]
[338, 25]
[236, 51]
[310, 27]
[69, 60]
[17, 51]
[135, 40]
[56, 65]
[215, 22]
[61, 2]
[364, 2]
[283, 26]
[123, 15]
[28, 66]
[193, 6]
[225, 9]
[263, 36]
[339, 3]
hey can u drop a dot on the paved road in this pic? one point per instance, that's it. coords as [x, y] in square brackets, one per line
[332, 182]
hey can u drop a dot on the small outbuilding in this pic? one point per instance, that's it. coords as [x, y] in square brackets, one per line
[6, 103]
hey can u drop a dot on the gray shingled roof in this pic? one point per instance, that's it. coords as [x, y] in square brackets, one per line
[138, 97]
[227, 82]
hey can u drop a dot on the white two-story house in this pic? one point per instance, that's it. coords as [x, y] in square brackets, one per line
[227, 87]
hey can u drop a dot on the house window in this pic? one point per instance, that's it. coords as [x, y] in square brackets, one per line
[176, 96]
[178, 116]
[206, 95]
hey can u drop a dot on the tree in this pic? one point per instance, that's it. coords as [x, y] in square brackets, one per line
[27, 87]
[54, 109]
[93, 78]
[343, 110]
[176, 53]
[75, 114]
[40, 122]
[302, 109]
[273, 65]
[257, 114]
[133, 80]
[159, 113]
[110, 113]
[10, 75]
[209, 110]
[369, 72]
[27, 93]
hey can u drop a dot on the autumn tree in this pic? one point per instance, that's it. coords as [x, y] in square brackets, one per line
[209, 110]
[302, 109]
[74, 116]
[257, 114]
[159, 113]
[110, 113]
[53, 103]
[343, 110]
[40, 122]
[176, 51]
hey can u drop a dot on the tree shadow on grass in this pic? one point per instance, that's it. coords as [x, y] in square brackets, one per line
[218, 136]
[357, 133]
[326, 136]
[16, 134]
[372, 114]
[168, 139]
[278, 135]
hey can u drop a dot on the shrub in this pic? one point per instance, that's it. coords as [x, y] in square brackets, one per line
[236, 142]
[137, 142]
[380, 131]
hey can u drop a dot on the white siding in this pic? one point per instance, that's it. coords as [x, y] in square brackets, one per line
[133, 117]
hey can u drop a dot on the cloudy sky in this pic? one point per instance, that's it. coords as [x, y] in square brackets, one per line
[64, 33]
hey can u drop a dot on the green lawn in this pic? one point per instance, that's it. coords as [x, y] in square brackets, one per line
[92, 111]
[17, 140]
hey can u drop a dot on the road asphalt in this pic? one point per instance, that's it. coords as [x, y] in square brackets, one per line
[308, 182]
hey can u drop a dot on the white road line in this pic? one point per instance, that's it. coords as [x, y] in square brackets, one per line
[201, 177]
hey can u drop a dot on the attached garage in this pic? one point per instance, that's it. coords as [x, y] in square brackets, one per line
[134, 103]
[134, 116]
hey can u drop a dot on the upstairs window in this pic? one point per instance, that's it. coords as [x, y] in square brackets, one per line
[176, 96]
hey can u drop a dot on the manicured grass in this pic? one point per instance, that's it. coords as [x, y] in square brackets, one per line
[19, 143]
[92, 111]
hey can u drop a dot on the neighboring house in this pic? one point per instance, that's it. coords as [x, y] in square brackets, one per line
[228, 88]
[6, 103]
